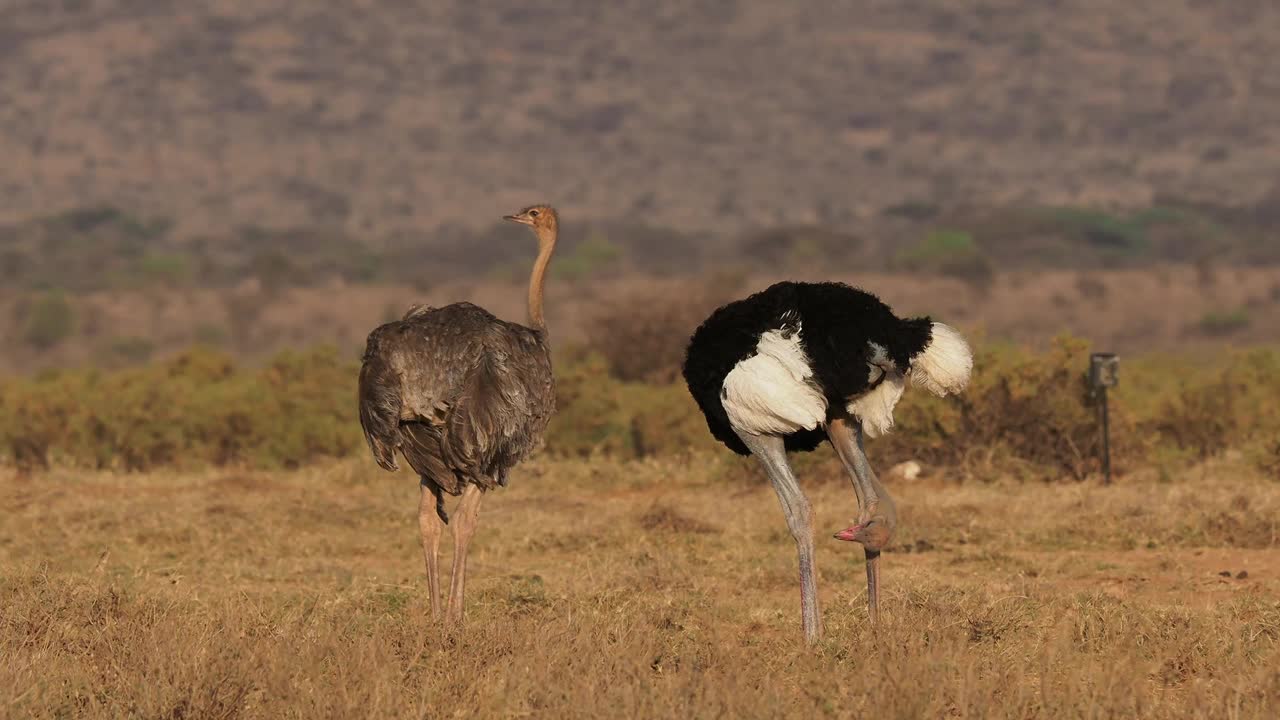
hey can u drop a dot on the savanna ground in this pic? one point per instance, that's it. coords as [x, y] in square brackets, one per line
[651, 588]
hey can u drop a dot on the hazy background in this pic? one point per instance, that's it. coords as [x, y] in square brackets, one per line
[259, 173]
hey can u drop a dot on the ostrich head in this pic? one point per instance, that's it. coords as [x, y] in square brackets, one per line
[545, 223]
[542, 218]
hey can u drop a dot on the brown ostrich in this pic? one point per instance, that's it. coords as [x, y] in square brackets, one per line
[464, 397]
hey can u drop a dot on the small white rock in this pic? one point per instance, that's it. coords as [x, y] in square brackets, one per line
[909, 470]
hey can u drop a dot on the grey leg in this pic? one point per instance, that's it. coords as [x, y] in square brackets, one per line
[873, 585]
[877, 517]
[773, 455]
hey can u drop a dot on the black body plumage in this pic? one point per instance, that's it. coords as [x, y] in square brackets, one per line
[836, 322]
[462, 395]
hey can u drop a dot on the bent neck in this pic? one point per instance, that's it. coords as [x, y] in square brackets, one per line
[888, 507]
[538, 279]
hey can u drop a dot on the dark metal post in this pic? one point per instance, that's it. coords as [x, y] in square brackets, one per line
[1103, 368]
[1106, 440]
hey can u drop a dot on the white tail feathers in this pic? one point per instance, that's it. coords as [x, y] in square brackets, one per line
[944, 366]
[875, 409]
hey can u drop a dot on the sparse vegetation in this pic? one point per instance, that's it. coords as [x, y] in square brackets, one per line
[1219, 323]
[131, 349]
[949, 252]
[165, 269]
[1112, 234]
[107, 249]
[243, 312]
[1091, 287]
[642, 334]
[1127, 310]
[209, 334]
[592, 256]
[50, 319]
[252, 594]
[194, 410]
[1025, 415]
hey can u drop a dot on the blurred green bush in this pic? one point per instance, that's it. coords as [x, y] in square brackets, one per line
[49, 320]
[948, 252]
[1026, 413]
[193, 410]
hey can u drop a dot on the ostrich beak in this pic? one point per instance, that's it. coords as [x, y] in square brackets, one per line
[873, 534]
[849, 534]
[523, 220]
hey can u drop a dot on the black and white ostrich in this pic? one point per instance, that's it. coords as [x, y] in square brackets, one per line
[799, 362]
[464, 397]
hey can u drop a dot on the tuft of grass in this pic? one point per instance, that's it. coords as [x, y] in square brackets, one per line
[1219, 323]
[49, 320]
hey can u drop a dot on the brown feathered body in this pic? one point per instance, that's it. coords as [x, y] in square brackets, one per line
[462, 395]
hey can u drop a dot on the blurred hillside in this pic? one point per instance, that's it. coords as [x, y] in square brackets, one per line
[258, 175]
[376, 118]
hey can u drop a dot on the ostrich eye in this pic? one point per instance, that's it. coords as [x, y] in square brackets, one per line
[533, 213]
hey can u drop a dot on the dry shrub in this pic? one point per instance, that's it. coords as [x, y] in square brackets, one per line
[1200, 419]
[588, 415]
[1228, 405]
[1021, 411]
[643, 333]
[192, 410]
[666, 421]
[1027, 414]
[1034, 413]
[48, 321]
[598, 414]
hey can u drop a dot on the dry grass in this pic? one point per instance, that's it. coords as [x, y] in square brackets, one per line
[639, 590]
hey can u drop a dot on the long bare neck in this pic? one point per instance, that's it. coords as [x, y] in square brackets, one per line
[538, 279]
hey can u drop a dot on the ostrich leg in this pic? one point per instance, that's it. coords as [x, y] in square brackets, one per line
[431, 526]
[773, 455]
[465, 519]
[877, 515]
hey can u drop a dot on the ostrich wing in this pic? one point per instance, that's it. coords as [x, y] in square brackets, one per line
[463, 395]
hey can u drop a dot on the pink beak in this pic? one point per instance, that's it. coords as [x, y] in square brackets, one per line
[850, 534]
